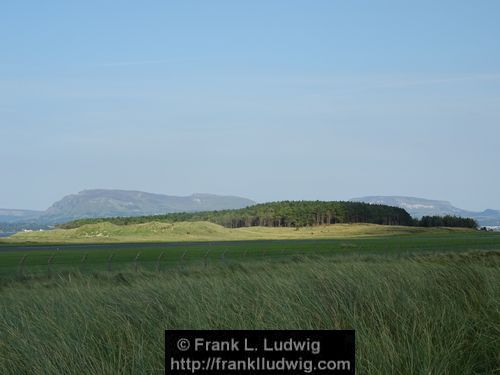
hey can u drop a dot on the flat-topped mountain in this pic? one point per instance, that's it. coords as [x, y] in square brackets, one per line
[418, 207]
[110, 203]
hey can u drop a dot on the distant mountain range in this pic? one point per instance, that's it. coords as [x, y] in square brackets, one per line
[418, 207]
[110, 203]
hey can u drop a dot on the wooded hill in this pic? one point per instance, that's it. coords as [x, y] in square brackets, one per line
[277, 214]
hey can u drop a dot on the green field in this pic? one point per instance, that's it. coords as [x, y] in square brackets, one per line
[25, 259]
[421, 302]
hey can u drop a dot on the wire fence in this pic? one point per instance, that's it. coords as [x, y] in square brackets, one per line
[50, 260]
[56, 262]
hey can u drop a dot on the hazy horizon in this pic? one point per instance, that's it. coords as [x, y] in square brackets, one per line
[264, 100]
[256, 201]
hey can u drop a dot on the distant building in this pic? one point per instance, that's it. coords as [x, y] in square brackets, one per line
[493, 228]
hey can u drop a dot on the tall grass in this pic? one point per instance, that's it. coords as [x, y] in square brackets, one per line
[427, 315]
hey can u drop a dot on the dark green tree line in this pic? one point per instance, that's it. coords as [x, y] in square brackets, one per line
[446, 221]
[278, 214]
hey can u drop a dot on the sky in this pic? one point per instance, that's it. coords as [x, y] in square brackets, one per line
[269, 100]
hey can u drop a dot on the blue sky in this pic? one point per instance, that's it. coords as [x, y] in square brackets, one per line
[269, 100]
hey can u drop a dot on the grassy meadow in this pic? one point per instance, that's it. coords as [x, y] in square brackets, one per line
[423, 302]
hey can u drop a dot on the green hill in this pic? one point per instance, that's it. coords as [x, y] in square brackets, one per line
[106, 232]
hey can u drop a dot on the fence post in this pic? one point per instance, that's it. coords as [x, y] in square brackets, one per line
[136, 261]
[224, 255]
[183, 256]
[21, 264]
[206, 257]
[49, 262]
[82, 261]
[158, 261]
[110, 258]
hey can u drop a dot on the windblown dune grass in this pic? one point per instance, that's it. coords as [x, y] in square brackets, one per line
[205, 231]
[435, 314]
